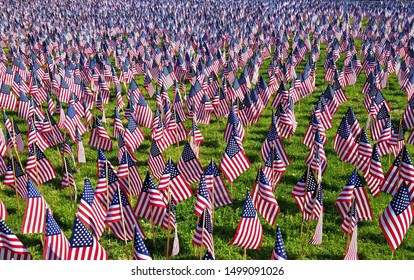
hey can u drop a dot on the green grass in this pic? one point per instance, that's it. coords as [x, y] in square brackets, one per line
[371, 242]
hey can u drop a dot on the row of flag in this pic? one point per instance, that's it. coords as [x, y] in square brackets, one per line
[80, 68]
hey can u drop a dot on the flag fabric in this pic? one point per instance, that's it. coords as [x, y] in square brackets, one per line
[133, 135]
[11, 248]
[155, 160]
[140, 249]
[67, 177]
[364, 153]
[56, 245]
[264, 200]
[99, 138]
[233, 122]
[344, 144]
[128, 174]
[173, 181]
[203, 235]
[120, 217]
[304, 188]
[249, 232]
[352, 249]
[203, 198]
[34, 215]
[279, 252]
[189, 166]
[375, 176]
[317, 235]
[151, 203]
[215, 184]
[83, 246]
[273, 141]
[38, 167]
[16, 178]
[397, 217]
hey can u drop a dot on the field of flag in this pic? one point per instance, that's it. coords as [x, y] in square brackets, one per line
[220, 130]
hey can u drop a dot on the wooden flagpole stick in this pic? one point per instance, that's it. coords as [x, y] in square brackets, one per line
[15, 185]
[392, 254]
[67, 178]
[202, 236]
[122, 216]
[15, 148]
[152, 225]
[304, 194]
[245, 254]
[231, 188]
[168, 226]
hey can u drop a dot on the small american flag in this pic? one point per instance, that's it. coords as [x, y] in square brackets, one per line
[16, 178]
[3, 211]
[34, 215]
[203, 198]
[99, 138]
[234, 161]
[219, 194]
[344, 144]
[56, 246]
[91, 211]
[397, 217]
[203, 235]
[155, 160]
[140, 250]
[128, 174]
[83, 246]
[189, 166]
[279, 252]
[249, 232]
[263, 198]
[375, 176]
[174, 181]
[11, 248]
[38, 167]
[133, 135]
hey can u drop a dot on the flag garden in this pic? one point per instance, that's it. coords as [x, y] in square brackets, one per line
[235, 130]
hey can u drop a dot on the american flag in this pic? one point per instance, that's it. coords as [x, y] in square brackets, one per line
[364, 153]
[16, 178]
[354, 190]
[11, 248]
[140, 250]
[375, 176]
[273, 141]
[151, 203]
[203, 198]
[83, 246]
[7, 98]
[264, 200]
[79, 147]
[72, 121]
[64, 94]
[66, 148]
[56, 246]
[133, 135]
[344, 143]
[352, 249]
[90, 210]
[120, 217]
[99, 138]
[279, 252]
[67, 177]
[249, 232]
[38, 167]
[203, 235]
[189, 166]
[155, 160]
[36, 137]
[107, 185]
[204, 110]
[24, 107]
[380, 122]
[274, 169]
[397, 217]
[143, 113]
[233, 122]
[128, 174]
[51, 131]
[317, 235]
[304, 188]
[208, 256]
[314, 124]
[234, 160]
[219, 194]
[118, 126]
[34, 215]
[174, 181]
[157, 129]
[408, 115]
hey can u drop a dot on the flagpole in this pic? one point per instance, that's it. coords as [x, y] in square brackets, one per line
[67, 178]
[168, 226]
[122, 216]
[245, 254]
[202, 234]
